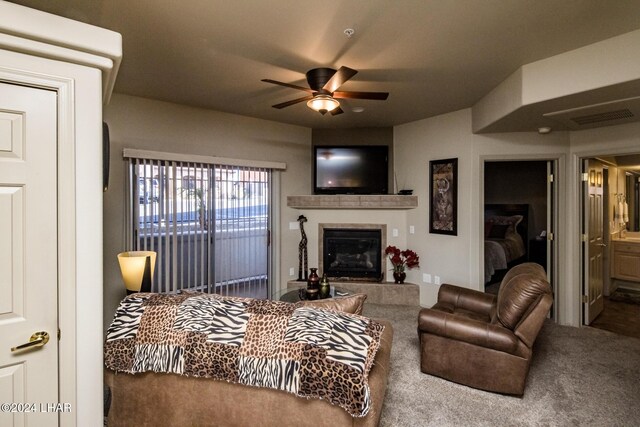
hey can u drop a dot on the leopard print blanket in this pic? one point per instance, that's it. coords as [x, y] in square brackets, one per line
[307, 351]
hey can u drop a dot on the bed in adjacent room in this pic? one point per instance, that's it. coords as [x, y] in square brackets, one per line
[505, 232]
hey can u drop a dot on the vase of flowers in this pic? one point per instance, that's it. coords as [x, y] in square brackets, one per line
[401, 260]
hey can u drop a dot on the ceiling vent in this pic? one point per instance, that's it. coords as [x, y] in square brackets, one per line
[604, 114]
[603, 117]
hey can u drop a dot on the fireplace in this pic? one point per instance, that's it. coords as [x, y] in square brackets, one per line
[352, 251]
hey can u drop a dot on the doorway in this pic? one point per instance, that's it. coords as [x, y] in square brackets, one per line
[522, 195]
[610, 228]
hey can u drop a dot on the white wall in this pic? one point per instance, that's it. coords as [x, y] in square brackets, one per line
[142, 123]
[154, 125]
[457, 259]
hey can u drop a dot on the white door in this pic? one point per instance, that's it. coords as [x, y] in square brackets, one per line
[552, 203]
[28, 255]
[594, 256]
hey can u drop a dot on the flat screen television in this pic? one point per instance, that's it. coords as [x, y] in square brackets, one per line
[353, 169]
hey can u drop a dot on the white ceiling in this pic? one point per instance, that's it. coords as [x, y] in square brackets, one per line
[432, 56]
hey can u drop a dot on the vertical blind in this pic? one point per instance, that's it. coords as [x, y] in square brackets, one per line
[209, 224]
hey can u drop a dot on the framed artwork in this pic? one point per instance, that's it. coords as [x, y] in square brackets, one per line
[443, 196]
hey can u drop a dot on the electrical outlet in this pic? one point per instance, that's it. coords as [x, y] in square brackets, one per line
[426, 278]
[292, 272]
[436, 280]
[394, 232]
[412, 229]
[294, 225]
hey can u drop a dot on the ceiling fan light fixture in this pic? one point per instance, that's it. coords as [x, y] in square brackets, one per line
[323, 103]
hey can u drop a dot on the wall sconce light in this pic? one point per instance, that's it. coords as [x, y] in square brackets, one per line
[592, 177]
[137, 269]
[599, 179]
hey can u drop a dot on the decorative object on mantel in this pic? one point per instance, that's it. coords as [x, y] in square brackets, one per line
[325, 288]
[405, 192]
[443, 196]
[400, 261]
[313, 284]
[302, 251]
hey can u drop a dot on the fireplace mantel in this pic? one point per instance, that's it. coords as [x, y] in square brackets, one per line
[348, 201]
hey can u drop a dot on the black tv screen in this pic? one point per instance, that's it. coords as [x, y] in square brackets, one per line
[351, 169]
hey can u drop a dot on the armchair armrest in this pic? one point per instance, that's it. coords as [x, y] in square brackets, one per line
[468, 299]
[468, 330]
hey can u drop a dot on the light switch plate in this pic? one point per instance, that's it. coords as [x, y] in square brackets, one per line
[436, 280]
[426, 278]
[412, 229]
[292, 272]
[394, 232]
[294, 225]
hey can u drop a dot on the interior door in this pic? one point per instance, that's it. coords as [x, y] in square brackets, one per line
[28, 255]
[594, 250]
[552, 203]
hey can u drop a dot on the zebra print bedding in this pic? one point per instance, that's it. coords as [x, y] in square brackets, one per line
[307, 351]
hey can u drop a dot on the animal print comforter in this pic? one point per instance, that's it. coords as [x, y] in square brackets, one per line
[307, 351]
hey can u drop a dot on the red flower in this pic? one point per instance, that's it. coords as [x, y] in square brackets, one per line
[401, 259]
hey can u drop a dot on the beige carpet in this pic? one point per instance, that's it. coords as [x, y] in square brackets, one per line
[578, 377]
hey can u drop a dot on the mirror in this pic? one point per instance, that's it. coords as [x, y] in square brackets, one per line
[632, 187]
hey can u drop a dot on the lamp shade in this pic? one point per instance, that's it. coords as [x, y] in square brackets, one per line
[137, 269]
[323, 103]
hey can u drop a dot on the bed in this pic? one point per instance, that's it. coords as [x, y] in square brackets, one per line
[505, 231]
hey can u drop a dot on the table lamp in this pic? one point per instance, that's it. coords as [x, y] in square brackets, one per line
[137, 269]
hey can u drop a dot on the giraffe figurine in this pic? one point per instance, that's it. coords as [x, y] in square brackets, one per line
[302, 251]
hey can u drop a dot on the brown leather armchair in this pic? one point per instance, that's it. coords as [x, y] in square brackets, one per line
[484, 341]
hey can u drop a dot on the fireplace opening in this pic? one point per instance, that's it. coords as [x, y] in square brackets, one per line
[352, 254]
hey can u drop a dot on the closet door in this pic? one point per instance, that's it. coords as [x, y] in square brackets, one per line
[28, 256]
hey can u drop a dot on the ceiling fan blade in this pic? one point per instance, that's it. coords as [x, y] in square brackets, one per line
[339, 78]
[381, 96]
[336, 111]
[293, 101]
[275, 82]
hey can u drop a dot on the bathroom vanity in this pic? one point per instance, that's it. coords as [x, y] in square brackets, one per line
[625, 263]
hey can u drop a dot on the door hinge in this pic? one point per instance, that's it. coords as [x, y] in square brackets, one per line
[585, 177]
[550, 177]
[585, 299]
[268, 237]
[58, 334]
[549, 236]
[585, 238]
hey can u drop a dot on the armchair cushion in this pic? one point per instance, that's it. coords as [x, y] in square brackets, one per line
[468, 330]
[466, 299]
[520, 290]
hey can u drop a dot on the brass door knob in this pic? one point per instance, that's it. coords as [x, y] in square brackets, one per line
[38, 339]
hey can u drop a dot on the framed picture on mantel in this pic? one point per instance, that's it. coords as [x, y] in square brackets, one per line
[443, 196]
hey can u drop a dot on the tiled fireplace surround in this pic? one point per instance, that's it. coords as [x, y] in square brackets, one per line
[388, 216]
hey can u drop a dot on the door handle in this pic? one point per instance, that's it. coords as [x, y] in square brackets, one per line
[38, 339]
[604, 245]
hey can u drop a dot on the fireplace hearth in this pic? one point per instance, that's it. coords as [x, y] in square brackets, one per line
[352, 251]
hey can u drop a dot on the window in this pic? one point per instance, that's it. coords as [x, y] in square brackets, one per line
[208, 222]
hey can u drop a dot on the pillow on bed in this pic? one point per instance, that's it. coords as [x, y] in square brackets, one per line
[510, 221]
[346, 304]
[498, 231]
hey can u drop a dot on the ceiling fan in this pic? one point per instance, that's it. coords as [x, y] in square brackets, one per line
[323, 90]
